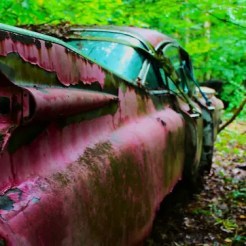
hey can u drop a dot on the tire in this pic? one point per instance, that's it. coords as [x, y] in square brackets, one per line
[208, 142]
[192, 175]
[194, 170]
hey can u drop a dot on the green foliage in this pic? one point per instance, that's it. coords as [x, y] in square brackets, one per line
[213, 32]
[239, 194]
[230, 142]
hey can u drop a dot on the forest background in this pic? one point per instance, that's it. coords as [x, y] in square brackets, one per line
[213, 32]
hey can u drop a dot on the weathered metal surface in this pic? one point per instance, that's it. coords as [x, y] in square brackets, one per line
[12, 115]
[70, 67]
[120, 157]
[109, 167]
[150, 38]
[84, 167]
[43, 105]
[53, 103]
[216, 112]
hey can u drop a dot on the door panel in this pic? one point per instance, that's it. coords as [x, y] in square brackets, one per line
[179, 85]
[112, 171]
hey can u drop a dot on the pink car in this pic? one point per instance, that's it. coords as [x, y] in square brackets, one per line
[95, 131]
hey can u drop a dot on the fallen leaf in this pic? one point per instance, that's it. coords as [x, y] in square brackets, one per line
[228, 240]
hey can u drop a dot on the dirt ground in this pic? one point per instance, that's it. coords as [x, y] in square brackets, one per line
[217, 214]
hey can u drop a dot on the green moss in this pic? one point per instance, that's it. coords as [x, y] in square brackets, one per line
[120, 193]
[61, 178]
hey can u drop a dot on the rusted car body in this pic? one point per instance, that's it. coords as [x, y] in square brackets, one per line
[94, 132]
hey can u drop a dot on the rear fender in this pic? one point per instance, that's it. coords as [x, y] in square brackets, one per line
[116, 183]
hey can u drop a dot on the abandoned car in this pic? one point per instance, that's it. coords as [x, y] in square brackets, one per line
[95, 130]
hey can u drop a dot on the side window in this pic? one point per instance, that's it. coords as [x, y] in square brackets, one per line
[152, 80]
[168, 81]
[118, 58]
[172, 53]
[151, 77]
[187, 70]
[171, 85]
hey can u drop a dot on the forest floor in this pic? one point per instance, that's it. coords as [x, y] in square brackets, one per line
[217, 214]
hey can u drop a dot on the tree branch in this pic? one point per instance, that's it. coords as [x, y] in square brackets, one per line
[225, 20]
[237, 112]
[221, 19]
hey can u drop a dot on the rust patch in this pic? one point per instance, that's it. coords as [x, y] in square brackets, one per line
[25, 39]
[53, 57]
[37, 43]
[161, 121]
[3, 35]
[141, 104]
[48, 44]
[8, 199]
[22, 39]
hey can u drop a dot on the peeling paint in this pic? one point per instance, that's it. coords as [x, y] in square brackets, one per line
[83, 151]
[15, 200]
[111, 168]
[70, 67]
[6, 203]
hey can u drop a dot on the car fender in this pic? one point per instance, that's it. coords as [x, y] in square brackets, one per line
[124, 175]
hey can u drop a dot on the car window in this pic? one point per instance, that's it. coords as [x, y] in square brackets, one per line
[168, 82]
[182, 65]
[174, 56]
[172, 53]
[152, 80]
[187, 70]
[102, 34]
[121, 59]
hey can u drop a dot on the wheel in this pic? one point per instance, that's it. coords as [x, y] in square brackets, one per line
[192, 175]
[208, 142]
[196, 166]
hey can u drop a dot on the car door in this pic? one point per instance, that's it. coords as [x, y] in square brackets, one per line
[168, 115]
[182, 90]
